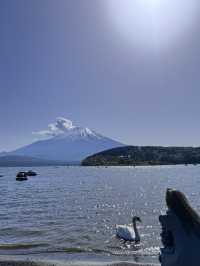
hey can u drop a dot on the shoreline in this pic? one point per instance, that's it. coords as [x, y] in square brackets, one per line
[27, 262]
[24, 260]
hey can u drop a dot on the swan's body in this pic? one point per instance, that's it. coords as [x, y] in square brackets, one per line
[129, 233]
[125, 232]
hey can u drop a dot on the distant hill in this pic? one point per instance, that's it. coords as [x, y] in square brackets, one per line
[23, 161]
[3, 153]
[72, 144]
[136, 155]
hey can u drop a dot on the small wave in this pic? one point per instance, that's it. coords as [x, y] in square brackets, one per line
[75, 250]
[151, 251]
[21, 246]
[19, 232]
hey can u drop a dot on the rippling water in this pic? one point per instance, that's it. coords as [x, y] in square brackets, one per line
[69, 213]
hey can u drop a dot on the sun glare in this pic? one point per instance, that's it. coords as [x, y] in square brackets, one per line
[153, 23]
[151, 3]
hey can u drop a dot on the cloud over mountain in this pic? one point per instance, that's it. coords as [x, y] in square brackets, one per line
[62, 125]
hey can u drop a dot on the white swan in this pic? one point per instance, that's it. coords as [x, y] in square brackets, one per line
[129, 233]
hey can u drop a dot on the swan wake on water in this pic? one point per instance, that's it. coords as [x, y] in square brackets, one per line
[129, 233]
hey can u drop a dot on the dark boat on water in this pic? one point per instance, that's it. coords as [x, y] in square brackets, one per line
[31, 173]
[21, 176]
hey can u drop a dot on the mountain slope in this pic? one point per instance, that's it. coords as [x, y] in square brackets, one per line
[25, 161]
[68, 143]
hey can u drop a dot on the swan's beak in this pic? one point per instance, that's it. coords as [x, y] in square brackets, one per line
[139, 220]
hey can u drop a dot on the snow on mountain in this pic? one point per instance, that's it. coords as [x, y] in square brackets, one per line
[66, 142]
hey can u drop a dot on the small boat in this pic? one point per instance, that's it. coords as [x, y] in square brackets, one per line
[21, 176]
[31, 173]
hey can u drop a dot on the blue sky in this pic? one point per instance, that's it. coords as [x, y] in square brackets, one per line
[68, 59]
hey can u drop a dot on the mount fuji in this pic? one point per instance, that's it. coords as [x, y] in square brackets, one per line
[63, 141]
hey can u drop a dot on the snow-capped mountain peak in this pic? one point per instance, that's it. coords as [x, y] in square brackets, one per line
[78, 133]
[64, 141]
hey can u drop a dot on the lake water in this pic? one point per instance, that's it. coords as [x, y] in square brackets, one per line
[69, 213]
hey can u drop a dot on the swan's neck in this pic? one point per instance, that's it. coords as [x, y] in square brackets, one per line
[137, 235]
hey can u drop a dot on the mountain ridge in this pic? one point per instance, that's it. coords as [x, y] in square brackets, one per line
[144, 155]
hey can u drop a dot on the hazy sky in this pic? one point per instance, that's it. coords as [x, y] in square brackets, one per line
[127, 70]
